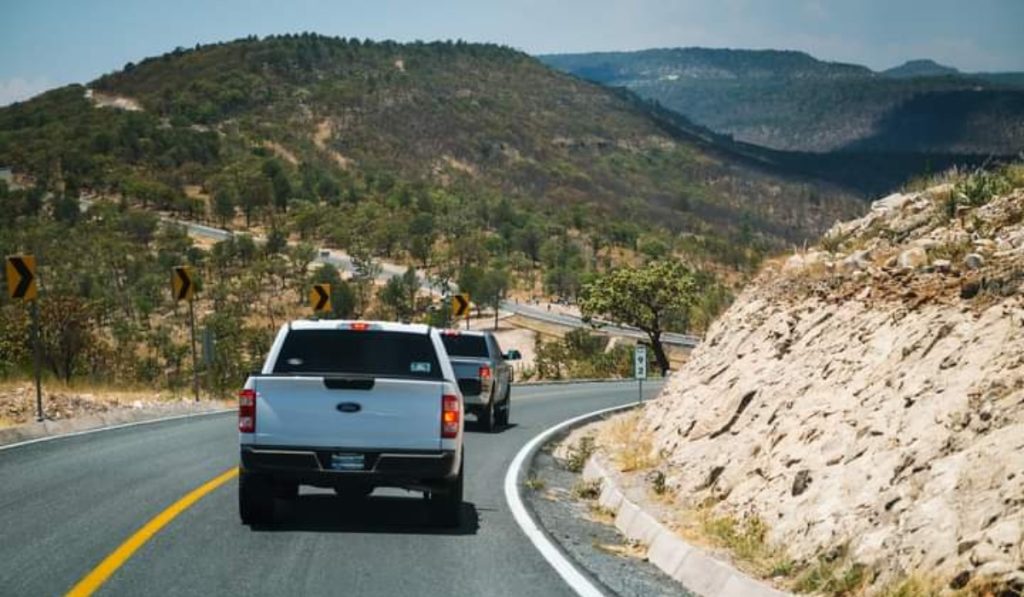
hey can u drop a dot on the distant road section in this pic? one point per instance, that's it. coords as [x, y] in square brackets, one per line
[344, 263]
[388, 270]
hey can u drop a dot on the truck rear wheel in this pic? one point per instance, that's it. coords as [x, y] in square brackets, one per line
[448, 505]
[255, 499]
[504, 413]
[487, 416]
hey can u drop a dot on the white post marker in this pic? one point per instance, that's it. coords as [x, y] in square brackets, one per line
[640, 369]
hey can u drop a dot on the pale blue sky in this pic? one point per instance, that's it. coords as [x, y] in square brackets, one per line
[45, 43]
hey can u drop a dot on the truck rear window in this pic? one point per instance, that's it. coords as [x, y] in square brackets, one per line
[465, 346]
[374, 353]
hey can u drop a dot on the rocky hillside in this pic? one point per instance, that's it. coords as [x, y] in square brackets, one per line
[792, 101]
[865, 399]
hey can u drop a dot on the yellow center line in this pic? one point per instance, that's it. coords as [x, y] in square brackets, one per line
[99, 575]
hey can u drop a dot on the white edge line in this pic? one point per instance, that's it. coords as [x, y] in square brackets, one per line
[48, 438]
[566, 569]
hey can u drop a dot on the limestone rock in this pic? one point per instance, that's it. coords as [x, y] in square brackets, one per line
[876, 411]
[913, 258]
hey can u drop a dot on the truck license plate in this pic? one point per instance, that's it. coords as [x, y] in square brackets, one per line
[348, 462]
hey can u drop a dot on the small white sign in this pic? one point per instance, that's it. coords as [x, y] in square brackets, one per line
[640, 362]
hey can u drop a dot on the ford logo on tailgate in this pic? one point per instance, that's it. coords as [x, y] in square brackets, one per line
[349, 407]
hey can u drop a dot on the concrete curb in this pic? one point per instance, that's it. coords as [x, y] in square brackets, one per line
[31, 433]
[694, 568]
[580, 580]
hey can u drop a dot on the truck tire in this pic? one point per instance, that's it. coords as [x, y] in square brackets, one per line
[487, 416]
[505, 411]
[255, 499]
[448, 504]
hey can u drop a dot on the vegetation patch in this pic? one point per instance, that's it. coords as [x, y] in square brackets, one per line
[578, 454]
[628, 443]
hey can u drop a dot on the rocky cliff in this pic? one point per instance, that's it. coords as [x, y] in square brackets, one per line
[867, 397]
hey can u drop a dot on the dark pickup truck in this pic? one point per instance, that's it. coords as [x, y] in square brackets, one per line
[484, 374]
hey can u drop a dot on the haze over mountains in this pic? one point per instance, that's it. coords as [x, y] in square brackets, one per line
[791, 101]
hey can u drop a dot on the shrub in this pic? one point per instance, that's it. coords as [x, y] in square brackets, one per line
[578, 454]
[587, 490]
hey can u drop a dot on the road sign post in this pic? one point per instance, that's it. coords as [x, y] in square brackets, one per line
[22, 285]
[37, 360]
[640, 369]
[183, 289]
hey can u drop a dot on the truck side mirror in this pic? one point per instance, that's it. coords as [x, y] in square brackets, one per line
[513, 355]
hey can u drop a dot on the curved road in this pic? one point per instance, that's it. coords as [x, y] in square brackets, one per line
[390, 270]
[66, 504]
[344, 263]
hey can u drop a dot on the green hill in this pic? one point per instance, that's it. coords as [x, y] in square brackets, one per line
[791, 101]
[290, 124]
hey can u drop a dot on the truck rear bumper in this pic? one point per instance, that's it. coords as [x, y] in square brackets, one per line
[313, 466]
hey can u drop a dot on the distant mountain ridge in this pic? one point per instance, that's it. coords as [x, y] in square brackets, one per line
[920, 68]
[792, 101]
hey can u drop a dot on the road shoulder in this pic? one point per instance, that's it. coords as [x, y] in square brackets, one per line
[46, 430]
[601, 523]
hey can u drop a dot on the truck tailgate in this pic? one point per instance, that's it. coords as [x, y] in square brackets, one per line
[467, 368]
[379, 414]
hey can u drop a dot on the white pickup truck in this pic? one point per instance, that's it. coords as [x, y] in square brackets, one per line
[352, 406]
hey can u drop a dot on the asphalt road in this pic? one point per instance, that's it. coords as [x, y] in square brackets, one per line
[66, 504]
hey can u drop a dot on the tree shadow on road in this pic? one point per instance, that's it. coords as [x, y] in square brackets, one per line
[325, 513]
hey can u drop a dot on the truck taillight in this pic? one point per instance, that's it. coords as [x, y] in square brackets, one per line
[485, 373]
[451, 415]
[247, 411]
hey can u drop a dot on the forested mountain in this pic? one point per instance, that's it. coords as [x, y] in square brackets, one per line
[305, 121]
[791, 101]
[476, 163]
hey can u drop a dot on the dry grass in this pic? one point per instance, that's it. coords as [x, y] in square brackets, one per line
[912, 586]
[586, 490]
[833, 577]
[630, 446]
[927, 585]
[535, 484]
[600, 514]
[630, 549]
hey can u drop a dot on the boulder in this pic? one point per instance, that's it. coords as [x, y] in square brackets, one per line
[985, 245]
[894, 202]
[974, 261]
[794, 264]
[913, 258]
[857, 261]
